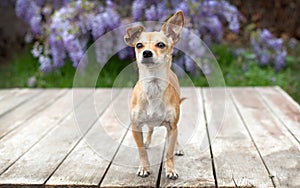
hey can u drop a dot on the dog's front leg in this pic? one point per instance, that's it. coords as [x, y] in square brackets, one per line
[143, 170]
[169, 164]
[148, 138]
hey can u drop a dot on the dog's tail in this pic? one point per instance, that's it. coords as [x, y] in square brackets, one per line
[182, 99]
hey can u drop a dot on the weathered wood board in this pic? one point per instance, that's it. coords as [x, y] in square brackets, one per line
[283, 108]
[7, 92]
[18, 116]
[82, 138]
[234, 153]
[122, 171]
[48, 130]
[88, 162]
[17, 98]
[194, 167]
[279, 150]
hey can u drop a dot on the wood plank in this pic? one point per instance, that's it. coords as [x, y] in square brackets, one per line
[234, 153]
[18, 116]
[278, 149]
[96, 150]
[283, 107]
[195, 167]
[48, 157]
[19, 141]
[7, 92]
[123, 170]
[17, 98]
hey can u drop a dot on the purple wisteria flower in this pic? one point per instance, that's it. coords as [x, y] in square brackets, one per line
[58, 51]
[150, 10]
[64, 28]
[205, 17]
[138, 8]
[97, 26]
[184, 6]
[209, 15]
[268, 49]
[45, 63]
[30, 12]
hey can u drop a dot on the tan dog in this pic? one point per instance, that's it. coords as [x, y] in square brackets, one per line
[156, 98]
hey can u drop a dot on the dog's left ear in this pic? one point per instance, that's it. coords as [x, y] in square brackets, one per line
[173, 26]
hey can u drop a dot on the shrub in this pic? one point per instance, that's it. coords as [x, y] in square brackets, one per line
[62, 30]
[268, 49]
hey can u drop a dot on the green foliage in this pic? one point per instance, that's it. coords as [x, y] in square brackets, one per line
[245, 71]
[238, 71]
[24, 66]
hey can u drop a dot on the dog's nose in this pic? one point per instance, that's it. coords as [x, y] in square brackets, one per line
[147, 53]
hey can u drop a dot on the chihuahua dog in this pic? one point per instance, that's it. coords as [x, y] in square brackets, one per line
[156, 98]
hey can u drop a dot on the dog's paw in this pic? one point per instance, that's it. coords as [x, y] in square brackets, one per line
[143, 172]
[172, 174]
[179, 152]
[147, 144]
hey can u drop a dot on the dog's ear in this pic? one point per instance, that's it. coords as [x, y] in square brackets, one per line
[132, 35]
[173, 26]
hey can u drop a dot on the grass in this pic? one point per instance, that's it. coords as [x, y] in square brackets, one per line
[237, 71]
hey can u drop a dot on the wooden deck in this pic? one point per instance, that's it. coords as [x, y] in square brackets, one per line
[247, 137]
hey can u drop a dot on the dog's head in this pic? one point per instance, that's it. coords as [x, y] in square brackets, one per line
[155, 48]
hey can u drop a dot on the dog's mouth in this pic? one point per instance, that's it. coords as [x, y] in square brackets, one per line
[147, 61]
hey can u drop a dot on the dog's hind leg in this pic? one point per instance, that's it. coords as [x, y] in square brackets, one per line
[178, 149]
[169, 164]
[148, 137]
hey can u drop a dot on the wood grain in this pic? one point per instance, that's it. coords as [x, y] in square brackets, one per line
[194, 167]
[18, 116]
[234, 153]
[18, 142]
[122, 171]
[17, 98]
[7, 92]
[80, 141]
[283, 107]
[86, 165]
[278, 149]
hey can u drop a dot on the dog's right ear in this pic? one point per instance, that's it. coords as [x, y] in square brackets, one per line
[132, 35]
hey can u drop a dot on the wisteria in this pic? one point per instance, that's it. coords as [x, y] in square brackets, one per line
[61, 30]
[205, 16]
[268, 49]
[205, 19]
[31, 13]
[65, 29]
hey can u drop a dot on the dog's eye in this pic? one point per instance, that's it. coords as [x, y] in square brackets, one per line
[160, 45]
[139, 45]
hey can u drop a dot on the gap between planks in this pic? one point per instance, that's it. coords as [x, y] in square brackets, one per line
[233, 151]
[17, 99]
[30, 135]
[287, 112]
[19, 116]
[92, 166]
[277, 148]
[246, 123]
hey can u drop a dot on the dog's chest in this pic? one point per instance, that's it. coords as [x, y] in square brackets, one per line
[154, 88]
[155, 111]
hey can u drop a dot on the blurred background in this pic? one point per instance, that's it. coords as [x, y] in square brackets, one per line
[256, 43]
